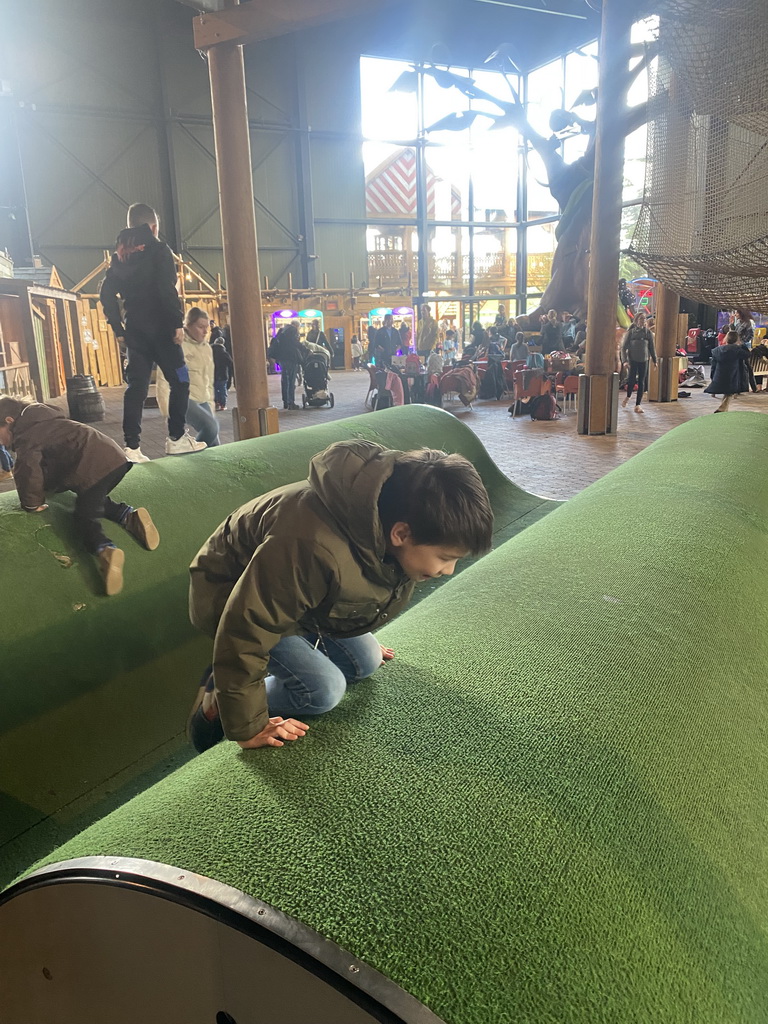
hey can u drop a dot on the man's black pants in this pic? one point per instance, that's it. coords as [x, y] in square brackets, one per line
[143, 353]
[95, 504]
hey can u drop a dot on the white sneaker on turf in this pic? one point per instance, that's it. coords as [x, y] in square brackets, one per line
[135, 455]
[186, 443]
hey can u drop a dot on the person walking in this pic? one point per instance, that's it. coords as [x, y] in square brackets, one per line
[729, 370]
[356, 351]
[143, 274]
[286, 349]
[637, 348]
[223, 372]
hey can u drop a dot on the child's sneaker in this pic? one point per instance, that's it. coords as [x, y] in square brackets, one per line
[204, 729]
[139, 524]
[135, 455]
[5, 474]
[182, 445]
[111, 561]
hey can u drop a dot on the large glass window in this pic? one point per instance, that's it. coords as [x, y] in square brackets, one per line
[434, 157]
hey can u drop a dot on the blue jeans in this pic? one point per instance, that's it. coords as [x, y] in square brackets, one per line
[220, 390]
[306, 679]
[201, 419]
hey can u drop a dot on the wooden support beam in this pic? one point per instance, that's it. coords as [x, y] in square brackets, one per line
[65, 338]
[266, 19]
[253, 416]
[606, 219]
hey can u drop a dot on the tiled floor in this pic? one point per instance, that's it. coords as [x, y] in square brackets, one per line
[548, 458]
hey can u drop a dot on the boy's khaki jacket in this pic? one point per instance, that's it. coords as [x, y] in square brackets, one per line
[307, 558]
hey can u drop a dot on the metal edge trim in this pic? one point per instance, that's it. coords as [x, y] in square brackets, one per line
[211, 897]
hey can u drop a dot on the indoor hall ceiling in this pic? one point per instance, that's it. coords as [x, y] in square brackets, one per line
[460, 32]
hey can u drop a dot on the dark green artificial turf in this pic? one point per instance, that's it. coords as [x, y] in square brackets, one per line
[96, 690]
[551, 806]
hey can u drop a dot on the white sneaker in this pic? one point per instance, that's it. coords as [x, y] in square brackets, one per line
[136, 455]
[186, 443]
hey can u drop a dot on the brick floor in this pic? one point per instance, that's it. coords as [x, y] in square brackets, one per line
[548, 458]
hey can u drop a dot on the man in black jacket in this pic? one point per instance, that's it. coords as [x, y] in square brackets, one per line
[286, 349]
[143, 274]
[386, 343]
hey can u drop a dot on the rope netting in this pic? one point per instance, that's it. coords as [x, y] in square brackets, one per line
[703, 225]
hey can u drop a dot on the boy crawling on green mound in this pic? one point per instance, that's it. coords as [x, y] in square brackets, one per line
[291, 585]
[57, 454]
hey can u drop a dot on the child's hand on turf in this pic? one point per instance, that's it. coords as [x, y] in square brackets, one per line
[272, 735]
[387, 654]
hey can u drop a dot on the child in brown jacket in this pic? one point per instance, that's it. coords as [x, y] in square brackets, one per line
[57, 454]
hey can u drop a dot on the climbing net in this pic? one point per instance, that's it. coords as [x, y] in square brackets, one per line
[703, 225]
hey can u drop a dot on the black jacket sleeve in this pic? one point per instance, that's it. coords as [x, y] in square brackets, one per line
[108, 298]
[165, 269]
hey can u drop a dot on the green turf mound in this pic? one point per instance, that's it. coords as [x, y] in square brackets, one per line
[551, 806]
[96, 690]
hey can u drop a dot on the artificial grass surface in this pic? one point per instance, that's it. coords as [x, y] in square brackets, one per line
[551, 806]
[98, 687]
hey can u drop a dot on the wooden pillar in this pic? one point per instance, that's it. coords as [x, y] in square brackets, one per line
[65, 338]
[253, 416]
[663, 385]
[673, 176]
[598, 396]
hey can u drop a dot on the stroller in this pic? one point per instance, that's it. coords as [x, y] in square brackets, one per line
[316, 379]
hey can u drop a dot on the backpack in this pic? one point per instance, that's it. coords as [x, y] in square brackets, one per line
[544, 407]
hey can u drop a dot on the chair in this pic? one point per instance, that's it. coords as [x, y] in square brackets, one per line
[571, 390]
[372, 386]
[559, 391]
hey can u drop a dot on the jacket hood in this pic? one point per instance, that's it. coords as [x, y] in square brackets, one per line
[36, 412]
[133, 247]
[32, 415]
[347, 478]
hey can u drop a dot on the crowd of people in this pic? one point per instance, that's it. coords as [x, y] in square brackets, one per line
[562, 340]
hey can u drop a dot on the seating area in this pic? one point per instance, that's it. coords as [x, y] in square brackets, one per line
[547, 807]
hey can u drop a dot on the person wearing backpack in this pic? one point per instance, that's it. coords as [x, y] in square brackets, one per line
[637, 347]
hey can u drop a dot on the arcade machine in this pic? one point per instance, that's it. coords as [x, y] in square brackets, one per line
[645, 293]
[336, 340]
[281, 318]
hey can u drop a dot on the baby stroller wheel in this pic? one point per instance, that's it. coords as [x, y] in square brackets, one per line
[330, 399]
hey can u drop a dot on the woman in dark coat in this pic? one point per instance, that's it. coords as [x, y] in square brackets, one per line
[729, 370]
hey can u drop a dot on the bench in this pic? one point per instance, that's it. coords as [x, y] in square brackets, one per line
[550, 807]
[96, 690]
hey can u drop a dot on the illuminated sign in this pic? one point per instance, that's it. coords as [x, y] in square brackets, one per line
[403, 311]
[311, 312]
[381, 311]
[284, 314]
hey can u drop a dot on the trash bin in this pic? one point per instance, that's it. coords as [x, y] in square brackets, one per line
[85, 403]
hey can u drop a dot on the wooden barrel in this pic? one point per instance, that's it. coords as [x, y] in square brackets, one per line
[85, 403]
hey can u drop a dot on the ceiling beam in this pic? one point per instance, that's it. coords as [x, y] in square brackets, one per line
[536, 10]
[266, 19]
